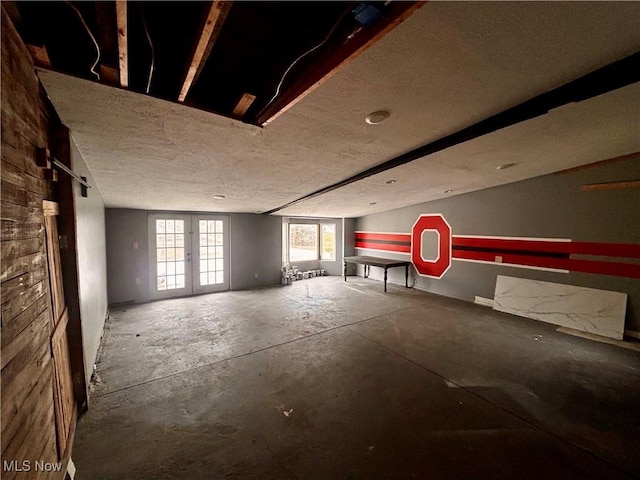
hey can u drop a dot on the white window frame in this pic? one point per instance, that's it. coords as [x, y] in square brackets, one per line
[319, 224]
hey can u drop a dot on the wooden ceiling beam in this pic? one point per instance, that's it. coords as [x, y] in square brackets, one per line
[331, 62]
[610, 186]
[108, 40]
[109, 74]
[243, 105]
[599, 163]
[212, 26]
[123, 56]
[40, 55]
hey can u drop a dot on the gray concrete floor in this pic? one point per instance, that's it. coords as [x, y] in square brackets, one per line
[332, 380]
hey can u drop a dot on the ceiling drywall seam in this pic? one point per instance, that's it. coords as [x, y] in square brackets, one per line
[606, 79]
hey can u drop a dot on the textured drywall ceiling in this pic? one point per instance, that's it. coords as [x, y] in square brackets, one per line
[603, 127]
[446, 67]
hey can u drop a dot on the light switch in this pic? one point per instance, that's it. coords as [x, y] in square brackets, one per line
[135, 245]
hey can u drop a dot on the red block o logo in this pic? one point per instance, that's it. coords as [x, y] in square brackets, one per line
[437, 268]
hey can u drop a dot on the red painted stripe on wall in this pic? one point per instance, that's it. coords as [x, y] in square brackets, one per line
[630, 270]
[388, 237]
[508, 249]
[503, 244]
[584, 266]
[626, 250]
[383, 246]
[583, 248]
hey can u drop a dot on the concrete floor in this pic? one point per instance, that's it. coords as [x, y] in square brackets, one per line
[332, 380]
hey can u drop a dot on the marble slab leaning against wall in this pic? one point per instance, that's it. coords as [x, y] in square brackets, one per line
[586, 309]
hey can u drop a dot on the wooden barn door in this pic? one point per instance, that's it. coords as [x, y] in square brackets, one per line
[63, 382]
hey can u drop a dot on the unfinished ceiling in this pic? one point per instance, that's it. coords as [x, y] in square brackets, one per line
[448, 66]
[225, 57]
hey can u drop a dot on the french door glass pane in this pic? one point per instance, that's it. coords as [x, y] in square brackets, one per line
[170, 255]
[210, 248]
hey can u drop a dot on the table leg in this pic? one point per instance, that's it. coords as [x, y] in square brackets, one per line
[385, 279]
[406, 276]
[345, 271]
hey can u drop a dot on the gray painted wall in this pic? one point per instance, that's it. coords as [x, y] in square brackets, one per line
[254, 248]
[92, 261]
[349, 241]
[549, 207]
[127, 267]
[331, 267]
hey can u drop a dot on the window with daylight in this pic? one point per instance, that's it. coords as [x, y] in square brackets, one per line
[303, 242]
[211, 242]
[312, 241]
[328, 242]
[170, 254]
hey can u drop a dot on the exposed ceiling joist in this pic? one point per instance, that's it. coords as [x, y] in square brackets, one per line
[243, 104]
[213, 24]
[107, 38]
[197, 61]
[40, 55]
[109, 74]
[121, 16]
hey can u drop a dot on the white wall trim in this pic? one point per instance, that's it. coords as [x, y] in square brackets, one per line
[537, 239]
[499, 264]
[383, 251]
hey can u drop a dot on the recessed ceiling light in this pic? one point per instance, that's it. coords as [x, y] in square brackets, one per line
[505, 166]
[447, 191]
[390, 182]
[373, 203]
[377, 117]
[219, 197]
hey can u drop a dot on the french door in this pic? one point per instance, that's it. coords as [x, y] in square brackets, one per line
[188, 254]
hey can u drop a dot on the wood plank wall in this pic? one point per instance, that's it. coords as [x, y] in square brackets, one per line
[28, 427]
